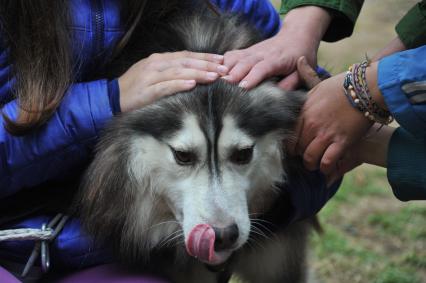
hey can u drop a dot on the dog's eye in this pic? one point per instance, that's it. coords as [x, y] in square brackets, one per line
[184, 157]
[242, 156]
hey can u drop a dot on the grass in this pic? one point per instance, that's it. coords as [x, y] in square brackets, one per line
[369, 235]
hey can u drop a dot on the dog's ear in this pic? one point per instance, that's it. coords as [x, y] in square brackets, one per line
[107, 189]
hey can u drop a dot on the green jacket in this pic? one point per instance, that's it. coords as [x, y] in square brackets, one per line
[411, 29]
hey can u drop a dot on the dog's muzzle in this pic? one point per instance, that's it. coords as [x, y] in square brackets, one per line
[212, 245]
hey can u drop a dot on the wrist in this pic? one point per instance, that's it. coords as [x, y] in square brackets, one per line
[361, 89]
[309, 23]
[396, 45]
[371, 77]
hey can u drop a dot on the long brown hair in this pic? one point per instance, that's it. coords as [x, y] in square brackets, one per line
[36, 33]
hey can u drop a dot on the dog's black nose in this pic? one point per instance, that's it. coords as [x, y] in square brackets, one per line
[225, 237]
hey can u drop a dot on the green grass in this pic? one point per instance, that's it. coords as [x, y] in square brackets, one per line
[397, 275]
[369, 235]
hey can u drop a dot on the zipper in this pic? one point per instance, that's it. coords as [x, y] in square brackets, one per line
[98, 25]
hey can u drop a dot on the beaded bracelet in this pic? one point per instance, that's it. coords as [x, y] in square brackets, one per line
[357, 92]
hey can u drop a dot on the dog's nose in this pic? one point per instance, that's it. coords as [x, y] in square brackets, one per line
[225, 237]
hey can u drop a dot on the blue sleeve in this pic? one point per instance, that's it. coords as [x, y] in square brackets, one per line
[402, 80]
[65, 141]
[261, 13]
[114, 96]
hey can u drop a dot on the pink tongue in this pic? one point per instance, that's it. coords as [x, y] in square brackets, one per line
[200, 242]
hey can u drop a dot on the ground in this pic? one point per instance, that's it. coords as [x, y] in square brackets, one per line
[369, 236]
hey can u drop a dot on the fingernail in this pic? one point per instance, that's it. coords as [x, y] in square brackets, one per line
[212, 75]
[218, 57]
[243, 84]
[222, 69]
[227, 78]
[190, 82]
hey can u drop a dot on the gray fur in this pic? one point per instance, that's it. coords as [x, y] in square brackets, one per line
[123, 202]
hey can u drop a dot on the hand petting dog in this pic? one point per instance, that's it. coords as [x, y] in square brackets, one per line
[372, 140]
[163, 74]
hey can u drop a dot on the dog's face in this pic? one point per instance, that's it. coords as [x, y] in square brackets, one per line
[195, 168]
[210, 179]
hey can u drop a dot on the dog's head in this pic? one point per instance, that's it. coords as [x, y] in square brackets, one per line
[190, 170]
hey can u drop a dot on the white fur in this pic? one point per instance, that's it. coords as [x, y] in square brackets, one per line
[193, 195]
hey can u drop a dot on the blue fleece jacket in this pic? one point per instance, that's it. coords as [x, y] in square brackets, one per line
[67, 139]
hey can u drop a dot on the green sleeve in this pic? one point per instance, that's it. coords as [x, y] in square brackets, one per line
[411, 29]
[406, 166]
[345, 13]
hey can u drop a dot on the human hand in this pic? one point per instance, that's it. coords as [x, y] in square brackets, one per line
[163, 74]
[328, 126]
[371, 149]
[300, 35]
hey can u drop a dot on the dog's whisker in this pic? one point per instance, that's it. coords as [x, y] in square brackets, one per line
[263, 220]
[171, 235]
[259, 232]
[254, 223]
[170, 238]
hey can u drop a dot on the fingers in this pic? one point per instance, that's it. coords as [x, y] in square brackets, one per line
[306, 73]
[164, 74]
[241, 69]
[216, 58]
[166, 88]
[257, 74]
[344, 165]
[182, 74]
[314, 152]
[231, 58]
[330, 158]
[291, 82]
[190, 63]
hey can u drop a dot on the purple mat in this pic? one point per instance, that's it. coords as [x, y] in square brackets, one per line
[6, 277]
[109, 273]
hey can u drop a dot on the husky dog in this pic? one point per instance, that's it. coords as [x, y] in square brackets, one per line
[188, 187]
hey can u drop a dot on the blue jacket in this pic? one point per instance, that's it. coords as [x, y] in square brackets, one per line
[402, 81]
[65, 142]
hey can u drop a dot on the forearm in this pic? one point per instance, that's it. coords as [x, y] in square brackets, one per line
[395, 45]
[308, 23]
[373, 148]
[345, 13]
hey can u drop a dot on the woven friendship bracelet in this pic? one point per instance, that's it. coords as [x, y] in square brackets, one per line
[357, 92]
